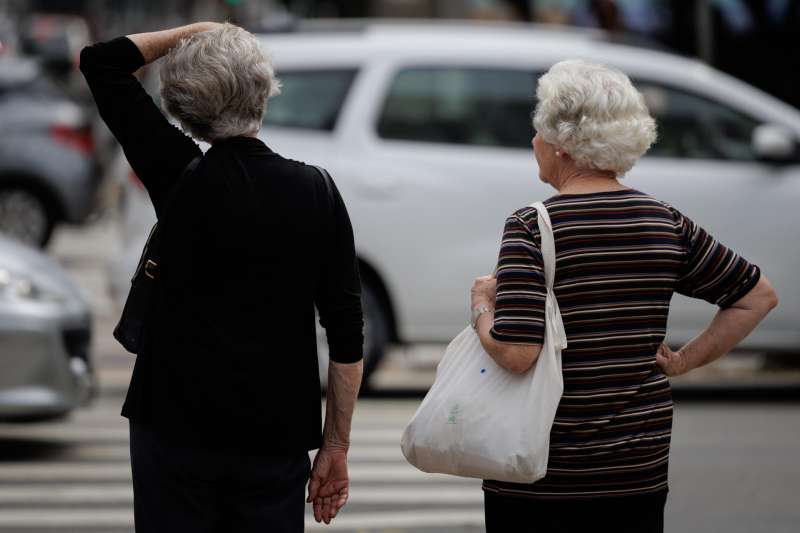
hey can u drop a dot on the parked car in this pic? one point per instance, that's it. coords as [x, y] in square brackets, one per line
[48, 172]
[45, 367]
[426, 129]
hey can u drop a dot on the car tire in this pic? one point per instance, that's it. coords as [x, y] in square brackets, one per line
[376, 335]
[376, 330]
[25, 215]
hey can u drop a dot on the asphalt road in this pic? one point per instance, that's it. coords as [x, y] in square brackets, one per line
[734, 469]
[734, 465]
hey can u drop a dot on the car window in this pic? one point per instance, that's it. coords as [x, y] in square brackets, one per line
[696, 127]
[473, 106]
[309, 99]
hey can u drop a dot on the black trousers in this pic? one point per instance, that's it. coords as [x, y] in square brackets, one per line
[631, 514]
[179, 489]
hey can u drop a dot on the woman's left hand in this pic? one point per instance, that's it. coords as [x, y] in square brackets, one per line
[671, 363]
[484, 290]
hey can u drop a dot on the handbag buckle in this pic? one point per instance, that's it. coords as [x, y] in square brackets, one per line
[150, 269]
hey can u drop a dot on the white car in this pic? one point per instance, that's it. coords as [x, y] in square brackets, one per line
[426, 130]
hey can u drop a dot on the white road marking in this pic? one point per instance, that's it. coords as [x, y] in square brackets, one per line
[89, 494]
[121, 452]
[120, 434]
[70, 471]
[406, 519]
[86, 518]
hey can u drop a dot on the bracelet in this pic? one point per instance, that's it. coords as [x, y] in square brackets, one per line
[477, 311]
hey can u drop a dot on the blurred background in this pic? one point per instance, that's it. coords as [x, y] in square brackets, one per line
[421, 111]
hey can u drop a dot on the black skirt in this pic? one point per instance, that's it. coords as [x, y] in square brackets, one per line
[629, 514]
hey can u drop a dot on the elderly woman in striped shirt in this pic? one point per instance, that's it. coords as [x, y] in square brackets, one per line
[621, 254]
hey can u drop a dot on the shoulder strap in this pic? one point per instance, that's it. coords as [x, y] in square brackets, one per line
[171, 194]
[173, 191]
[554, 325]
[548, 243]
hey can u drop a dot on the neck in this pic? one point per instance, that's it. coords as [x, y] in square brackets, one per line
[588, 181]
[253, 135]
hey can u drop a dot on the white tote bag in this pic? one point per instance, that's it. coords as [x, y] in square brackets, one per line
[480, 420]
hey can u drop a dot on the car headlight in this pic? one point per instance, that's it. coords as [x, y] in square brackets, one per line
[15, 286]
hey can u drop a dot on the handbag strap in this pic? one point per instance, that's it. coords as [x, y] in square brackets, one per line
[554, 325]
[168, 201]
[548, 247]
[173, 191]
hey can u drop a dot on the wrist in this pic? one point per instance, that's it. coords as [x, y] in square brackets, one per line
[335, 446]
[479, 309]
[684, 359]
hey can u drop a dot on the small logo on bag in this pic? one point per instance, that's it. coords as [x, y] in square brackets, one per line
[455, 412]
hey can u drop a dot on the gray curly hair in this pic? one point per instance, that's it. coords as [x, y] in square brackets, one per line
[594, 113]
[216, 83]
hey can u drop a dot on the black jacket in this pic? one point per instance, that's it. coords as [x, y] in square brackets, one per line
[252, 242]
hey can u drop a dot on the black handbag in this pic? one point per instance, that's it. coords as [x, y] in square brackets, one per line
[132, 326]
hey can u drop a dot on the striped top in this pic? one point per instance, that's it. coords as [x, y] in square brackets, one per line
[619, 258]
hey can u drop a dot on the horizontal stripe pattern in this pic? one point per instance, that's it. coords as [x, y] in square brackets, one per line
[620, 256]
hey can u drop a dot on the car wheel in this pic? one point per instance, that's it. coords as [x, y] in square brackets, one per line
[376, 330]
[376, 335]
[24, 216]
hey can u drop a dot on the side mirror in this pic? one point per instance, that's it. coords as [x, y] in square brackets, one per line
[774, 143]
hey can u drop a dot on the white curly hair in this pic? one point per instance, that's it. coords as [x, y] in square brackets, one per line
[595, 114]
[217, 82]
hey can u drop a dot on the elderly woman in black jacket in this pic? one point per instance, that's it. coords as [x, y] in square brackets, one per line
[224, 399]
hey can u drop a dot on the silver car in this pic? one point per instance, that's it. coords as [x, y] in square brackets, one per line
[48, 169]
[45, 368]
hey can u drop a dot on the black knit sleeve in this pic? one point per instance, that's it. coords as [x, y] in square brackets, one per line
[156, 150]
[338, 297]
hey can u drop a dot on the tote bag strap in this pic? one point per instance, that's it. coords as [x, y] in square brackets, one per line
[548, 246]
[554, 326]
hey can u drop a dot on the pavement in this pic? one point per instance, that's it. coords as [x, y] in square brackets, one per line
[733, 467]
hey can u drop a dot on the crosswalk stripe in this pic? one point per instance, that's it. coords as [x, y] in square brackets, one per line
[69, 471]
[82, 494]
[388, 520]
[85, 483]
[121, 452]
[86, 518]
[120, 434]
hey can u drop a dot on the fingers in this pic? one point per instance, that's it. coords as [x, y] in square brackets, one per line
[317, 509]
[483, 280]
[662, 362]
[313, 489]
[340, 502]
[326, 508]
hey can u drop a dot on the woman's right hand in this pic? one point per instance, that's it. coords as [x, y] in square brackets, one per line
[671, 363]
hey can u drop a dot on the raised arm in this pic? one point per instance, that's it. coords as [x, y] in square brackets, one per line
[156, 150]
[155, 44]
